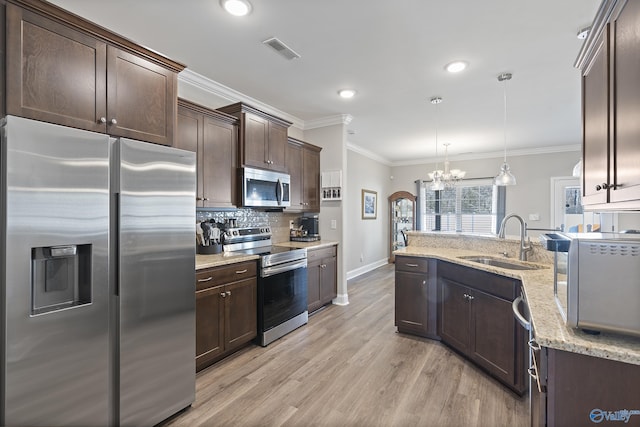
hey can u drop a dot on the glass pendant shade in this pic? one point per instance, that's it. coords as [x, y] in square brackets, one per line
[504, 177]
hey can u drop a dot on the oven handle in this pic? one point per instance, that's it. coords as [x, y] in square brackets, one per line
[277, 269]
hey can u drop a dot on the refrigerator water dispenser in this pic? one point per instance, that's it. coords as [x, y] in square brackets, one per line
[60, 277]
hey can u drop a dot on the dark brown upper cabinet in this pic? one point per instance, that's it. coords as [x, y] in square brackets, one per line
[214, 137]
[303, 165]
[610, 64]
[65, 70]
[263, 137]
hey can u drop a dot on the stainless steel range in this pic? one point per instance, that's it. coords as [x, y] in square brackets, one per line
[282, 282]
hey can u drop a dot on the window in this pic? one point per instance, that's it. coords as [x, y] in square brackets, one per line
[471, 206]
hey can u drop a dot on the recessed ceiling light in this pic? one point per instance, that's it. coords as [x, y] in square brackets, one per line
[236, 7]
[455, 66]
[347, 93]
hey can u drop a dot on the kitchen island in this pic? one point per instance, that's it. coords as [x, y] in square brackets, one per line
[576, 378]
[550, 329]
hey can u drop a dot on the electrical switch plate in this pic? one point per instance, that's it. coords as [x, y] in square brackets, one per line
[334, 224]
[534, 217]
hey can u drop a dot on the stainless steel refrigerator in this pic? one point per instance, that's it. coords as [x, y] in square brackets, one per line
[97, 292]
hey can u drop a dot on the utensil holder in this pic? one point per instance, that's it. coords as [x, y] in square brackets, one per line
[210, 250]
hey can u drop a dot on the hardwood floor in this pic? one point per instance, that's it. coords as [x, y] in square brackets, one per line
[349, 367]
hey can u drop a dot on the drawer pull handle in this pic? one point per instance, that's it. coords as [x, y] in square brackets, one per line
[411, 265]
[241, 271]
[223, 295]
[205, 280]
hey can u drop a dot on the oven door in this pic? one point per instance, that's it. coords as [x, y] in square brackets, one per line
[282, 294]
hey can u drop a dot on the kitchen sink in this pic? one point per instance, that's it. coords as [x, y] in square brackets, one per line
[502, 263]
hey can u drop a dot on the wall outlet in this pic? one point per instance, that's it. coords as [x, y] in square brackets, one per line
[334, 224]
[290, 224]
[534, 217]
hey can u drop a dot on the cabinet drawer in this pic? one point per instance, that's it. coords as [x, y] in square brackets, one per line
[227, 274]
[316, 254]
[412, 264]
[490, 283]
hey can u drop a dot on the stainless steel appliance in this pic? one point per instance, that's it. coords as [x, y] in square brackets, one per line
[97, 254]
[282, 282]
[265, 189]
[600, 290]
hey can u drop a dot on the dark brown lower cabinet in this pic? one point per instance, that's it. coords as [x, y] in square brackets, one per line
[226, 310]
[415, 310]
[322, 277]
[576, 389]
[475, 318]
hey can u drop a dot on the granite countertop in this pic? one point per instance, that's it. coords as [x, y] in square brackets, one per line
[208, 261]
[308, 245]
[548, 325]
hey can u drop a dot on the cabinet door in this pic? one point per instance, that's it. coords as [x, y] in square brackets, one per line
[294, 161]
[141, 98]
[241, 317]
[328, 282]
[595, 105]
[314, 301]
[311, 180]
[626, 69]
[277, 147]
[411, 313]
[188, 136]
[218, 155]
[54, 73]
[209, 325]
[255, 143]
[455, 315]
[493, 335]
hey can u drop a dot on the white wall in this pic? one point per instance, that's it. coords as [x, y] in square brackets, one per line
[367, 240]
[333, 156]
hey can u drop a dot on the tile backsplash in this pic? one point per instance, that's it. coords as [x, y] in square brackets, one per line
[278, 221]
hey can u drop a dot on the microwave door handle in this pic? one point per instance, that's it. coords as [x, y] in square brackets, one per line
[279, 191]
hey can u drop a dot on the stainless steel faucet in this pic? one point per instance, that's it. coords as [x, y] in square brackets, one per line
[524, 248]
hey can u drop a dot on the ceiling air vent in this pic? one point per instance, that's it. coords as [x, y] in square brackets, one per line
[281, 48]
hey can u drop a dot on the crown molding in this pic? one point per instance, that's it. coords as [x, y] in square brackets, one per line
[201, 82]
[496, 154]
[371, 155]
[340, 119]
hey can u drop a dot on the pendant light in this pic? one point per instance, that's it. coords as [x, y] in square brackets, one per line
[436, 175]
[505, 177]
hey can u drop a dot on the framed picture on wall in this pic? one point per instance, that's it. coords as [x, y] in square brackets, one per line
[369, 204]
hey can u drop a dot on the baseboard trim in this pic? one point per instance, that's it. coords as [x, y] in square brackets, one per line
[366, 268]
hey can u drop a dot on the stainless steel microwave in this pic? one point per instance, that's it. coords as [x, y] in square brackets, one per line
[265, 189]
[602, 288]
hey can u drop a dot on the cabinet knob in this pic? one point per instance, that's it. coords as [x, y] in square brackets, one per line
[102, 120]
[199, 199]
[424, 282]
[228, 293]
[223, 295]
[114, 122]
[205, 199]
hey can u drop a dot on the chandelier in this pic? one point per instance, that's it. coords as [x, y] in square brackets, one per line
[447, 178]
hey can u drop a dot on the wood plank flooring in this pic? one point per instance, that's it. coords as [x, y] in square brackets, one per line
[349, 367]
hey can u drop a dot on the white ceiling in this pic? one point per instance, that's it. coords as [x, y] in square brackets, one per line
[393, 53]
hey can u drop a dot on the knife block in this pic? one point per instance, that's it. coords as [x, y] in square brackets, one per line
[210, 250]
